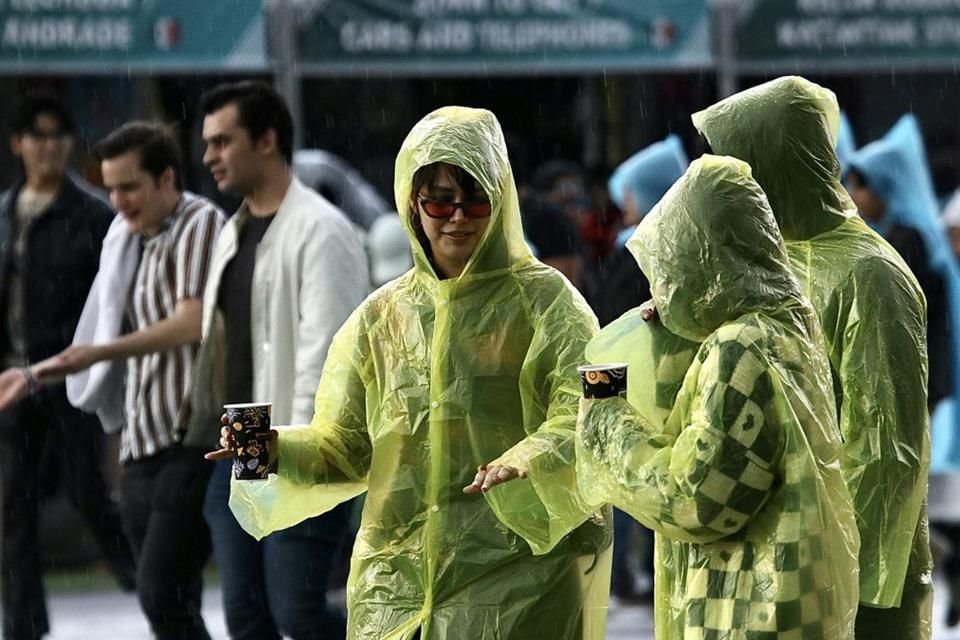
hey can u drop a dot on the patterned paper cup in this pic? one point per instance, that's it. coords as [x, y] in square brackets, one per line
[250, 424]
[604, 380]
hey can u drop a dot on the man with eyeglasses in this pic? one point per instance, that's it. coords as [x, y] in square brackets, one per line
[51, 230]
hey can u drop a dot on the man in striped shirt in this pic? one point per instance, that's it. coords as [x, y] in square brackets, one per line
[165, 476]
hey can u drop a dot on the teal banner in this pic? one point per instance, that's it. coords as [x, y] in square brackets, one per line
[494, 36]
[133, 35]
[852, 33]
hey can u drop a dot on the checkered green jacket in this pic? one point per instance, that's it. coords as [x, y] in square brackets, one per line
[756, 534]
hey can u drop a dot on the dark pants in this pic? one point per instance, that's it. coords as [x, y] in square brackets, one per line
[42, 440]
[278, 585]
[162, 507]
[624, 528]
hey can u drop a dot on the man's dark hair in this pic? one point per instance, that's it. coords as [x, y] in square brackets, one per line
[260, 109]
[23, 119]
[156, 143]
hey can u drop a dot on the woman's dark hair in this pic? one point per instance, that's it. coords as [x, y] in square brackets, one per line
[428, 174]
[156, 143]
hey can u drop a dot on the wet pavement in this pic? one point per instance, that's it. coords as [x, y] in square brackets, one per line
[105, 614]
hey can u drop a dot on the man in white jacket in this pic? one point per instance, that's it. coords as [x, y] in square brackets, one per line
[287, 271]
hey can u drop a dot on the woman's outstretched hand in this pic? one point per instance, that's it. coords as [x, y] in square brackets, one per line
[489, 476]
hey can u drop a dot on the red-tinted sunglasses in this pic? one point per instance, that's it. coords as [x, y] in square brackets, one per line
[444, 208]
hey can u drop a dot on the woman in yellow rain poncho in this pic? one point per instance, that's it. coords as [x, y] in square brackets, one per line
[471, 354]
[755, 527]
[873, 318]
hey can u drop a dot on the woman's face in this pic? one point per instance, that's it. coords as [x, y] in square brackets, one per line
[454, 238]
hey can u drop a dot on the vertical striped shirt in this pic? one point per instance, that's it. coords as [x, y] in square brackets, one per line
[173, 266]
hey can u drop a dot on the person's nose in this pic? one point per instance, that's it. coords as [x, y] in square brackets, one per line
[209, 157]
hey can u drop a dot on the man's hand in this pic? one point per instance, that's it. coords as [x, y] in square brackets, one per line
[70, 360]
[648, 311]
[489, 476]
[14, 386]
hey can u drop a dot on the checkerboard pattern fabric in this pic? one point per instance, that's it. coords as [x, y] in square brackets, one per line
[752, 542]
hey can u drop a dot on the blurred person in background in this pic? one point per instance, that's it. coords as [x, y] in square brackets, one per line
[139, 333]
[287, 271]
[599, 226]
[635, 186]
[52, 227]
[890, 182]
[872, 315]
[945, 461]
[551, 211]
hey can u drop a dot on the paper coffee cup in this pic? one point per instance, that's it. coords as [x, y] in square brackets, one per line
[250, 425]
[604, 380]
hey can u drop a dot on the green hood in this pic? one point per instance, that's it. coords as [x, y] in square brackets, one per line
[470, 139]
[712, 251]
[786, 130]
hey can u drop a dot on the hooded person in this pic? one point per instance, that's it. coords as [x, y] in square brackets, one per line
[756, 531]
[635, 186]
[641, 180]
[434, 374]
[872, 314]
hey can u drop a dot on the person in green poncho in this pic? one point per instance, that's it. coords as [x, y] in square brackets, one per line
[873, 318]
[469, 356]
[756, 531]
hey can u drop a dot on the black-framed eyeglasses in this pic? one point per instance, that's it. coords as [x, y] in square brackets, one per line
[444, 208]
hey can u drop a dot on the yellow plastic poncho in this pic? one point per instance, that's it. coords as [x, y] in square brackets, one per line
[873, 317]
[427, 380]
[756, 535]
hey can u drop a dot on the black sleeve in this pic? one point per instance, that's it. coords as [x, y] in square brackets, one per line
[911, 247]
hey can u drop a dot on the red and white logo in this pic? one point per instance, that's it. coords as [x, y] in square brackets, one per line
[167, 33]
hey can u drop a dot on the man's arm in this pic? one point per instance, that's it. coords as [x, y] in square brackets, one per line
[181, 328]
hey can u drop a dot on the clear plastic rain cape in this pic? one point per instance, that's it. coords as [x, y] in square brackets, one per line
[645, 176]
[873, 317]
[427, 380]
[756, 535]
